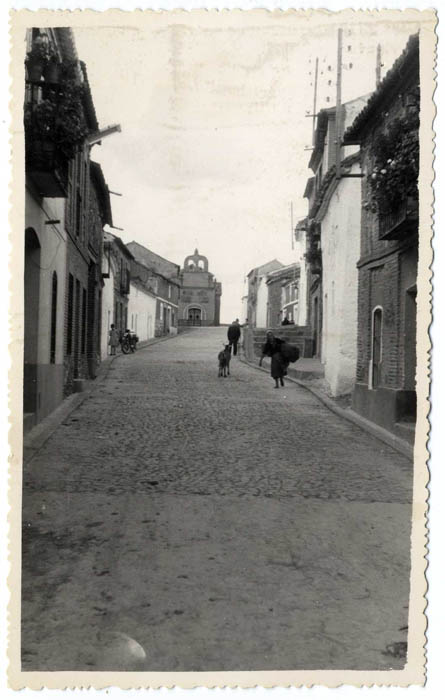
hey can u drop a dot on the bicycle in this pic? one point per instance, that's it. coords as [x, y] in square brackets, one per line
[128, 343]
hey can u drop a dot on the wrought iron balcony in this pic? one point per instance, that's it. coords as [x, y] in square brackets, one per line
[48, 172]
[55, 127]
[399, 222]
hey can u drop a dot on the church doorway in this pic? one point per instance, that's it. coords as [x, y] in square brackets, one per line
[194, 317]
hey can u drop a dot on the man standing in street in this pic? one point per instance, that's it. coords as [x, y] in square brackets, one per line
[233, 335]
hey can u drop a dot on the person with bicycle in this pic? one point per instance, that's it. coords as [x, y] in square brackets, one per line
[128, 343]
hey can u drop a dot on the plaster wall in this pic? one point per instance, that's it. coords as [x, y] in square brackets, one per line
[47, 375]
[141, 313]
[107, 312]
[340, 242]
[262, 303]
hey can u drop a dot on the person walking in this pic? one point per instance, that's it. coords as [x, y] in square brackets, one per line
[278, 365]
[113, 341]
[233, 335]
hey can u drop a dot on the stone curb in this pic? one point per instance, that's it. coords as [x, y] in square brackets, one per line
[40, 433]
[348, 414]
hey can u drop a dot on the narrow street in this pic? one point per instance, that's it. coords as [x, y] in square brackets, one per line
[219, 523]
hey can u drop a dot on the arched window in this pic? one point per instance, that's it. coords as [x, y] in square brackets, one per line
[52, 352]
[376, 347]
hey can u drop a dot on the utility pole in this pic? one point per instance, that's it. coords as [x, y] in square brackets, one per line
[378, 68]
[338, 107]
[314, 111]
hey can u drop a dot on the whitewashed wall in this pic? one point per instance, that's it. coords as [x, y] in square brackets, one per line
[340, 242]
[107, 311]
[52, 240]
[261, 308]
[141, 313]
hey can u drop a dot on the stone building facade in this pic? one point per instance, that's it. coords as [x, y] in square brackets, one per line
[161, 276]
[200, 298]
[387, 132]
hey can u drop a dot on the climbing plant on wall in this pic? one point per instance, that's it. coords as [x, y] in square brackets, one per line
[396, 162]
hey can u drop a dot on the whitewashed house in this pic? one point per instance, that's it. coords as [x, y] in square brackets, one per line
[334, 229]
[141, 310]
[258, 293]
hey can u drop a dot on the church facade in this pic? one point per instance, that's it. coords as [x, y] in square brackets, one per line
[200, 298]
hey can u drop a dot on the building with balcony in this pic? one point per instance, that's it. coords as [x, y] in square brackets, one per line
[66, 205]
[333, 246]
[200, 300]
[387, 131]
[160, 276]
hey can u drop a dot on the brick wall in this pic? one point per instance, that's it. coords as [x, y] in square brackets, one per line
[380, 276]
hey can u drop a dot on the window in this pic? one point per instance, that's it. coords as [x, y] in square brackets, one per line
[52, 352]
[69, 330]
[287, 295]
[169, 291]
[84, 321]
[377, 347]
[84, 184]
[76, 207]
[77, 329]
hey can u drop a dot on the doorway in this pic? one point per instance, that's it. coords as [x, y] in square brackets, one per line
[315, 323]
[376, 359]
[31, 313]
[410, 338]
[194, 316]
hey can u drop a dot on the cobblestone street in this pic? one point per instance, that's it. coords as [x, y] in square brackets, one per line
[219, 523]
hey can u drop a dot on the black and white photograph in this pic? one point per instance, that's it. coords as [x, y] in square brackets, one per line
[222, 233]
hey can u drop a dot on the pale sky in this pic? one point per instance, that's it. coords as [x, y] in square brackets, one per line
[212, 149]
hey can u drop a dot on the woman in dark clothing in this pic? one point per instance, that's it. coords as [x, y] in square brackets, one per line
[278, 365]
